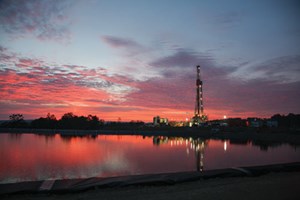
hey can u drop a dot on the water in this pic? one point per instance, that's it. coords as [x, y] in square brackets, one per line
[28, 157]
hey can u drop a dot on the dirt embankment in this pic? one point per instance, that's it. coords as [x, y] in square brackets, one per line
[273, 186]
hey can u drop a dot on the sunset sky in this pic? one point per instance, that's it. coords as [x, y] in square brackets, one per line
[135, 59]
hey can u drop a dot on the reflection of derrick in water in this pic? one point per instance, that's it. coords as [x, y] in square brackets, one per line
[197, 145]
[199, 152]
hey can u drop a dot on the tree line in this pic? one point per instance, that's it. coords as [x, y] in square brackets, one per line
[287, 121]
[92, 122]
[283, 121]
[67, 121]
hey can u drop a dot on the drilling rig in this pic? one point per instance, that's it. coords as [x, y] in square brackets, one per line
[199, 116]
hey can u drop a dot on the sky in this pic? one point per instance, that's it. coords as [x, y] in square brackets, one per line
[136, 59]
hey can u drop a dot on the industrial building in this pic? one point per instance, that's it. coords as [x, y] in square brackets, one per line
[159, 121]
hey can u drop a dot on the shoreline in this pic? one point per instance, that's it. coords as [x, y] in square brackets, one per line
[242, 135]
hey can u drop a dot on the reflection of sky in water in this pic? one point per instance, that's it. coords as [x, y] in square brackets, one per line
[37, 157]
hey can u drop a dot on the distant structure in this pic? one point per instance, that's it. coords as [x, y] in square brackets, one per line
[199, 116]
[159, 121]
[254, 122]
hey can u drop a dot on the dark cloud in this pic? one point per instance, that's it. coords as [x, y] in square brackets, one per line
[125, 46]
[5, 57]
[284, 69]
[228, 20]
[78, 67]
[43, 19]
[118, 42]
[183, 58]
[2, 48]
[184, 62]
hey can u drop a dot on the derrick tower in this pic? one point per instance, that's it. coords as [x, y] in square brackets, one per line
[199, 116]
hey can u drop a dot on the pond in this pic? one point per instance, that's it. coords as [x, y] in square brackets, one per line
[30, 157]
